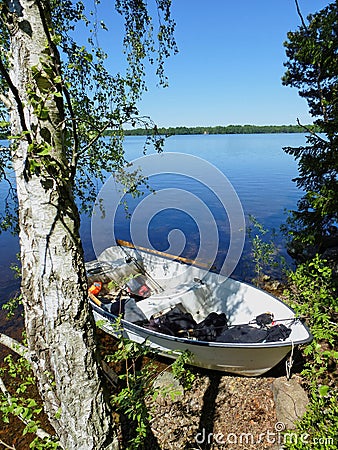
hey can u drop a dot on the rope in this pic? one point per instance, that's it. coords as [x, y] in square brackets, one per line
[289, 362]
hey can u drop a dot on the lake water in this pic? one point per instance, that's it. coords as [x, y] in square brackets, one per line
[256, 166]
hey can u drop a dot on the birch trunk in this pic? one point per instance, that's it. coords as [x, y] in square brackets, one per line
[58, 322]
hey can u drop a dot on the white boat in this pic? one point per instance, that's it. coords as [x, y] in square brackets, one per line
[166, 282]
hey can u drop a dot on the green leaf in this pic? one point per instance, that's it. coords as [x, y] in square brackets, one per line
[100, 323]
[43, 114]
[58, 79]
[31, 403]
[33, 165]
[88, 57]
[323, 390]
[56, 38]
[58, 413]
[45, 151]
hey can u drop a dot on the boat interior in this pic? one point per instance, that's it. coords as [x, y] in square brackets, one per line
[167, 284]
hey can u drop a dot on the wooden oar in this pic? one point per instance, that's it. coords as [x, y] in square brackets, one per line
[95, 299]
[163, 254]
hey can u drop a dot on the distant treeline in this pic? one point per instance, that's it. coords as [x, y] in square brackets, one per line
[229, 129]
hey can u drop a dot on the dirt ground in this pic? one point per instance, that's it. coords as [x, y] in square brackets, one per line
[223, 412]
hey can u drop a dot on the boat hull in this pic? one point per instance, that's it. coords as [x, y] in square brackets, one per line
[242, 359]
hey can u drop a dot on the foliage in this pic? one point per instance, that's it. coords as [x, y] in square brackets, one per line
[137, 385]
[312, 68]
[181, 372]
[312, 294]
[12, 305]
[93, 98]
[264, 251]
[318, 428]
[137, 388]
[41, 444]
[20, 404]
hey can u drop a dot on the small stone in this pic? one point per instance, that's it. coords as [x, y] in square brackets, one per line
[167, 382]
[291, 401]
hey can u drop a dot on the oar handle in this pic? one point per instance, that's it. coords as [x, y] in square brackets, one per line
[163, 254]
[95, 299]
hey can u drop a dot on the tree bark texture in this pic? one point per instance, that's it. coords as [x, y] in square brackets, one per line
[58, 322]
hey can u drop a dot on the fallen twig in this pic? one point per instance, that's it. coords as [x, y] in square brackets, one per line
[7, 446]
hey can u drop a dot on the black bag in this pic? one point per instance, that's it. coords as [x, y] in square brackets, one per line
[247, 334]
[177, 321]
[278, 333]
[156, 325]
[211, 327]
[242, 334]
[264, 319]
[173, 323]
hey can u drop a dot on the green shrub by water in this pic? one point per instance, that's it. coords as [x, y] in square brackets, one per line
[312, 294]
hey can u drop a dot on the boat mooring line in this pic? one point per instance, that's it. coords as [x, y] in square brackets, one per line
[289, 362]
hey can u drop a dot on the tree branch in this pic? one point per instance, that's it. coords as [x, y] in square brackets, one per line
[15, 345]
[95, 138]
[301, 16]
[5, 100]
[310, 131]
[23, 351]
[6, 445]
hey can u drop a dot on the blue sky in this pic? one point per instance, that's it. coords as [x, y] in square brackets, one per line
[229, 66]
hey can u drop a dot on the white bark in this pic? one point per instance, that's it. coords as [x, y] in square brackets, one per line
[58, 322]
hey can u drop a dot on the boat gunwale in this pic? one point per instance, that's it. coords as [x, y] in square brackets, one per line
[287, 343]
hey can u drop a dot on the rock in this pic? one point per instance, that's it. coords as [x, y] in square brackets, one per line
[291, 401]
[168, 383]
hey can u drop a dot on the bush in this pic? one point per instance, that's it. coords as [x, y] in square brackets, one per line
[312, 294]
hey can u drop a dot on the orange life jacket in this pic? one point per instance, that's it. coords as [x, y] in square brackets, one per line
[95, 288]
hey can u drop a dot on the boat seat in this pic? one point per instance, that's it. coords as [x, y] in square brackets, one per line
[151, 306]
[164, 301]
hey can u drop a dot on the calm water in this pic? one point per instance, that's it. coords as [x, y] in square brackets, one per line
[256, 166]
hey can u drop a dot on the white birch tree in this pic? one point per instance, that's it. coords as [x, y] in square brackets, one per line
[58, 108]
